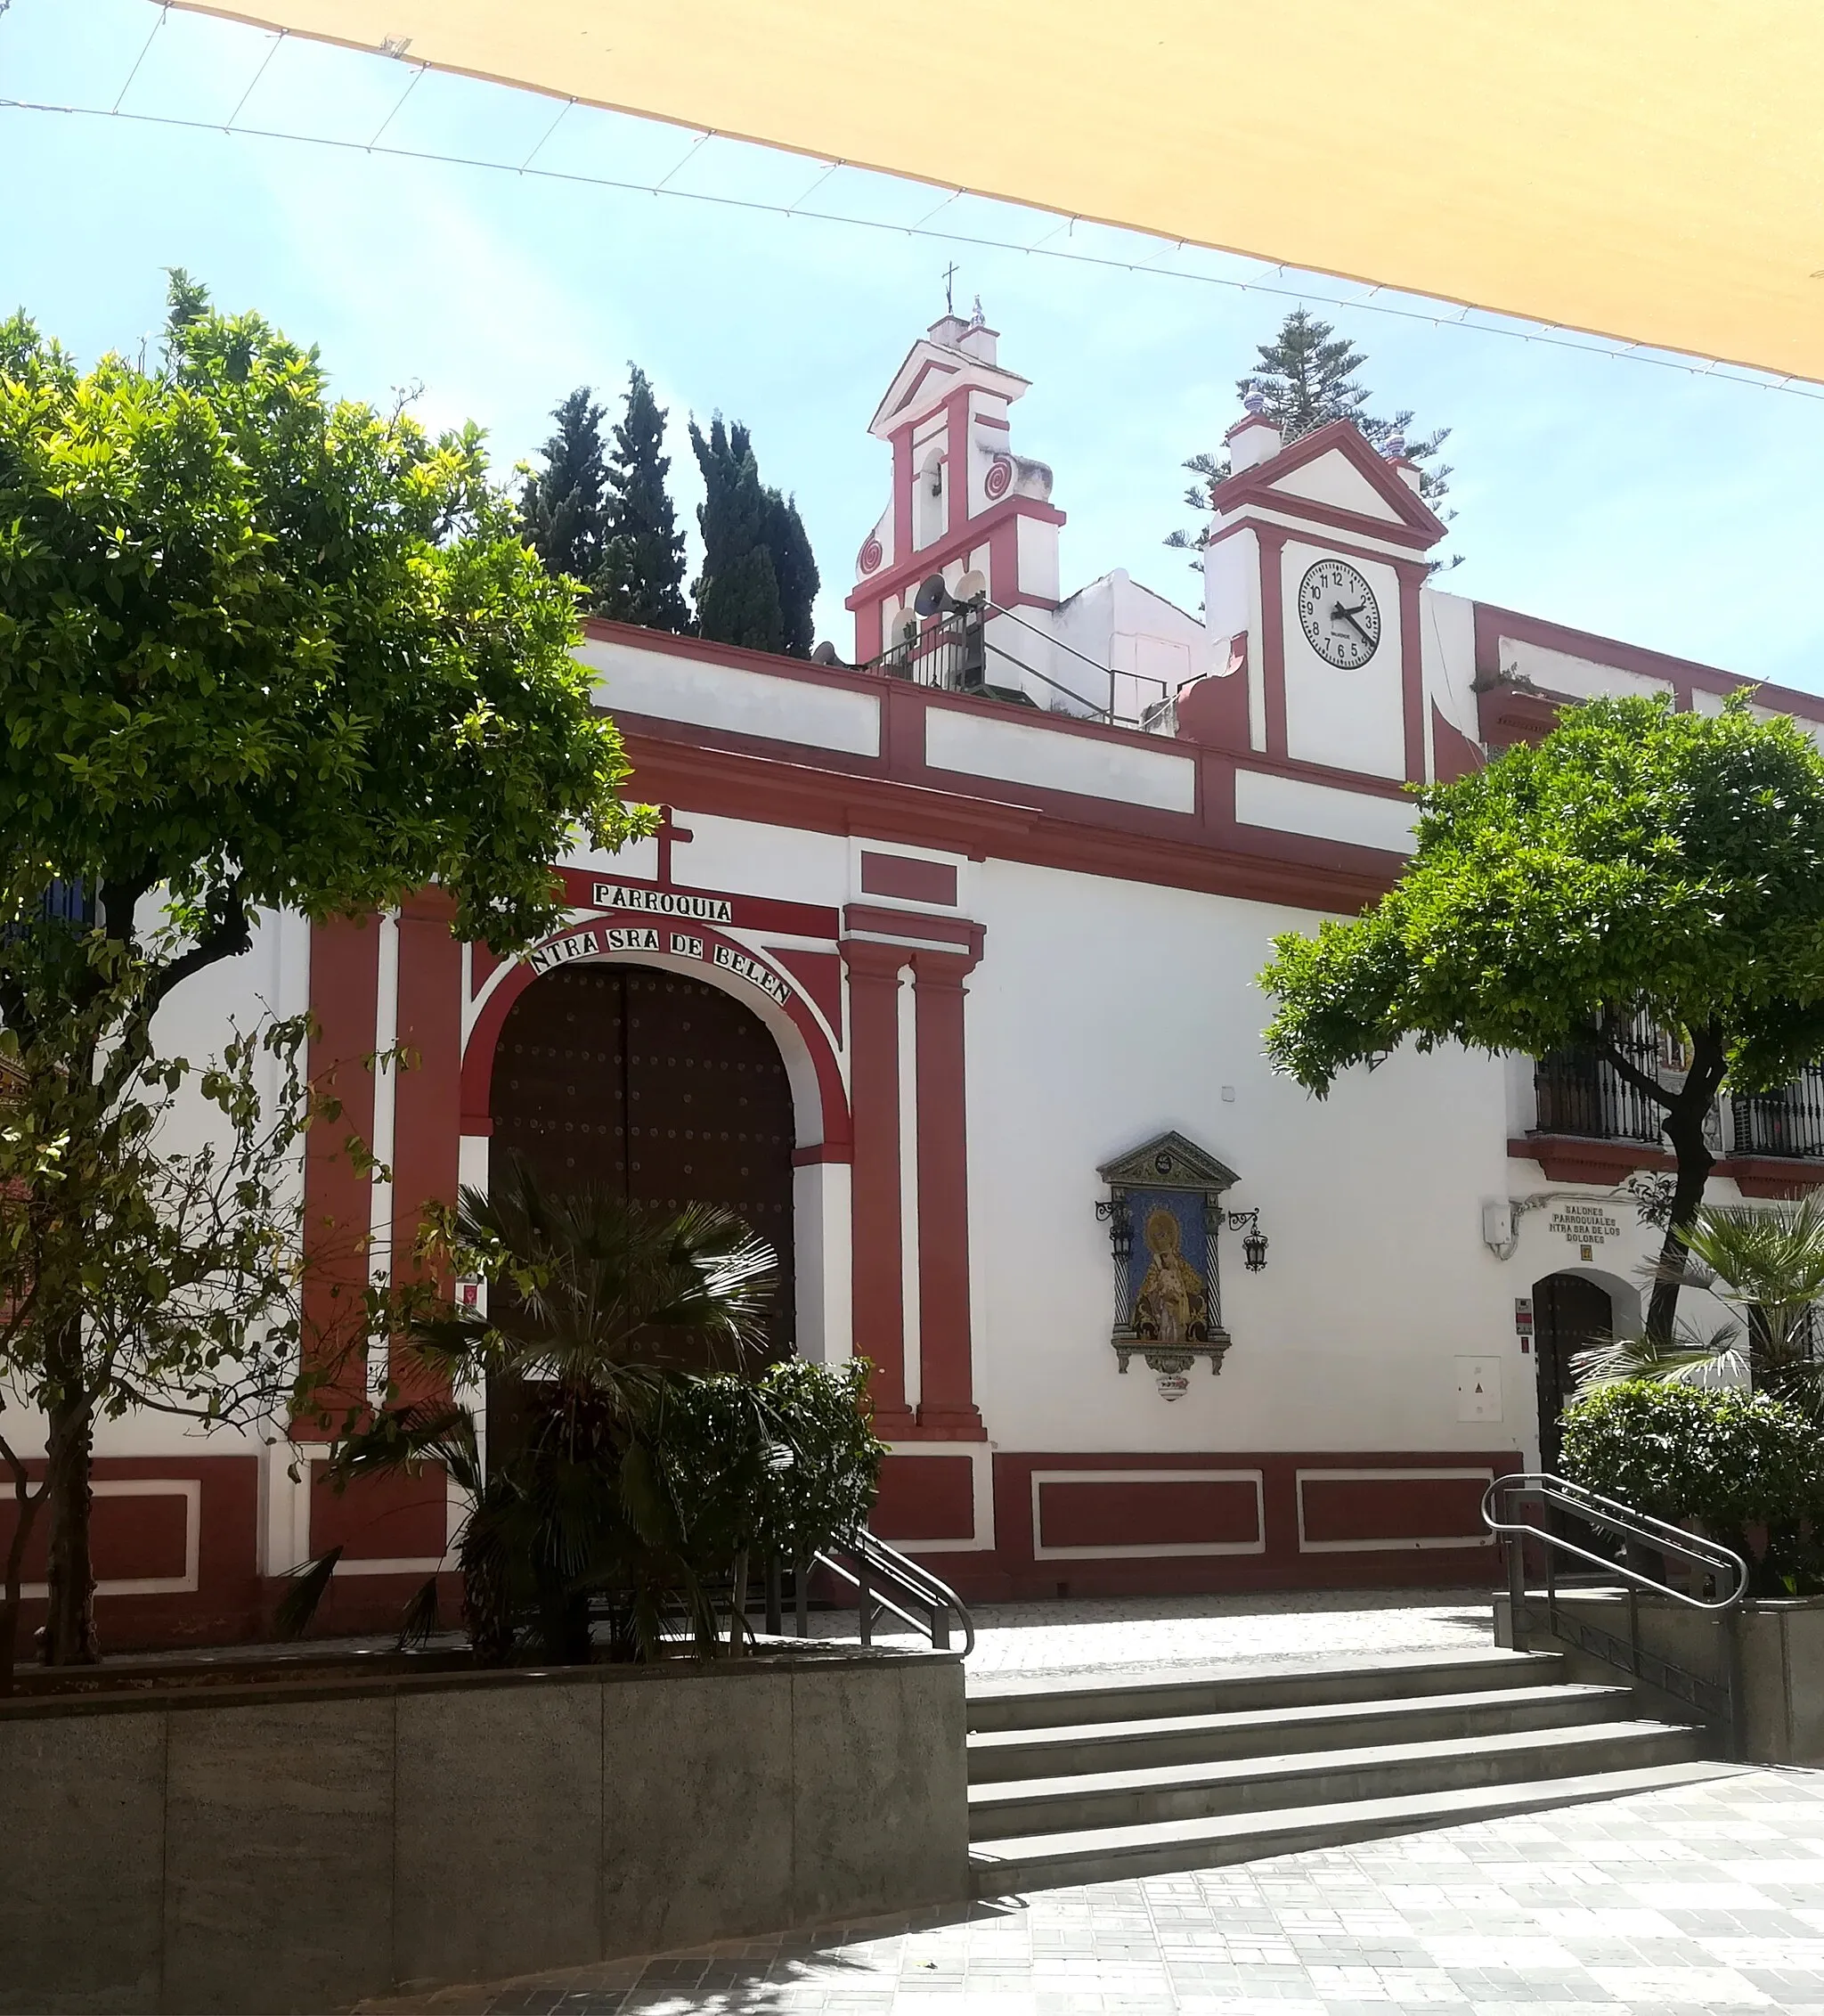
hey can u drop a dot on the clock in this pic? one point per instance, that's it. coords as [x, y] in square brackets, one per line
[1341, 617]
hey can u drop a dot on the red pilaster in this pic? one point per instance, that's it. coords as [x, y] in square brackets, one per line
[946, 1385]
[956, 475]
[1411, 576]
[344, 964]
[1273, 635]
[427, 1105]
[878, 1254]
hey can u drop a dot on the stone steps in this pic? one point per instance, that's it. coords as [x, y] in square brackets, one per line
[1085, 1785]
[1112, 1853]
[1157, 1742]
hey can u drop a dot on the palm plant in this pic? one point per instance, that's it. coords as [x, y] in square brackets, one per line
[1766, 1267]
[602, 1310]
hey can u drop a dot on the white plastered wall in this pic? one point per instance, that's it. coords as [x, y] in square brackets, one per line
[1105, 1013]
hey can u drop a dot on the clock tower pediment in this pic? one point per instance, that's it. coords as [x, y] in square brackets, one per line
[1334, 477]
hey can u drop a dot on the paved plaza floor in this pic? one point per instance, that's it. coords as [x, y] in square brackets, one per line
[1709, 1897]
[1078, 1637]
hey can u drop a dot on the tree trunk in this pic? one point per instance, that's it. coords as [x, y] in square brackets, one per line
[69, 1630]
[1684, 1128]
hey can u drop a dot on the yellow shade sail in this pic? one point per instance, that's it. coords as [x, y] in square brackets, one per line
[1647, 169]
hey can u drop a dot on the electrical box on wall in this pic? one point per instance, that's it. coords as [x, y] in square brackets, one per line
[1479, 1389]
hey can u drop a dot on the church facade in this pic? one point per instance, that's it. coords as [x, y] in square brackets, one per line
[943, 969]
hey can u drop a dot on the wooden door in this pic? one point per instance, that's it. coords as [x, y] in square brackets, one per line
[1569, 1314]
[660, 1085]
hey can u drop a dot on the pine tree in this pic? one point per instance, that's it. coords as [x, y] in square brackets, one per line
[641, 577]
[738, 593]
[560, 508]
[794, 567]
[1306, 375]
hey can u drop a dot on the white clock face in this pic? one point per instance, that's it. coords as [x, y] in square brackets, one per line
[1339, 614]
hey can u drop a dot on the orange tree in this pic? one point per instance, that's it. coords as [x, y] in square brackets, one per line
[1637, 862]
[259, 648]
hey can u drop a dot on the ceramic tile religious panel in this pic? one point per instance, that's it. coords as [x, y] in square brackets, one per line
[1164, 1210]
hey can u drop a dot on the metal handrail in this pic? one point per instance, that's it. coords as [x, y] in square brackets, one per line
[879, 1568]
[1724, 1703]
[1615, 1517]
[961, 634]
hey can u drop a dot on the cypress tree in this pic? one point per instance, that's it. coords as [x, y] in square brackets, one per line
[794, 567]
[641, 578]
[560, 508]
[738, 593]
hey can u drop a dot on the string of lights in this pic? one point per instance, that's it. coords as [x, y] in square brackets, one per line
[1276, 287]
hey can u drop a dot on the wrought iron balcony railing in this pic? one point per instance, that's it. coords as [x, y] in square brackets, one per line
[1787, 1123]
[1582, 1094]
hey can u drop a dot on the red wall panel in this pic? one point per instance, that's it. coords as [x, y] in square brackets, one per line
[925, 1497]
[1131, 1513]
[384, 1518]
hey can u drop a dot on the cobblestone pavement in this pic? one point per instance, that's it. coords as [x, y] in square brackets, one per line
[1081, 1636]
[1707, 1897]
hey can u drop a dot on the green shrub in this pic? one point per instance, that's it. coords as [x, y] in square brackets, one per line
[1726, 1461]
[778, 1467]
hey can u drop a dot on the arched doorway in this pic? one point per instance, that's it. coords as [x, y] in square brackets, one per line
[1569, 1314]
[658, 1084]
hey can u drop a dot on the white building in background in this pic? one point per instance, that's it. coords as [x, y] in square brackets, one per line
[947, 980]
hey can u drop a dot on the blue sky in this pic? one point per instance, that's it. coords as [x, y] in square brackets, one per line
[1677, 511]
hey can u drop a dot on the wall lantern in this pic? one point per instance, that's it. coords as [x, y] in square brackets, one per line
[1163, 1212]
[1254, 1243]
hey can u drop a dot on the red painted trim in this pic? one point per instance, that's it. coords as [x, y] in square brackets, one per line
[870, 629]
[1492, 623]
[135, 1536]
[1418, 524]
[1507, 714]
[989, 420]
[903, 479]
[749, 913]
[483, 1038]
[1570, 1158]
[1272, 543]
[908, 878]
[1012, 1569]
[344, 964]
[876, 1225]
[1332, 518]
[1223, 860]
[1127, 1512]
[1772, 1176]
[1358, 781]
[427, 1107]
[925, 1497]
[957, 513]
[1412, 677]
[930, 368]
[1453, 755]
[1213, 710]
[946, 1385]
[915, 925]
[820, 975]
[1247, 422]
[825, 1151]
[998, 520]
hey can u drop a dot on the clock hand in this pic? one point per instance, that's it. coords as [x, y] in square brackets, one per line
[1348, 616]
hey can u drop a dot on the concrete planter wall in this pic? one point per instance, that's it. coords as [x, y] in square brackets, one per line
[298, 1847]
[1782, 1655]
